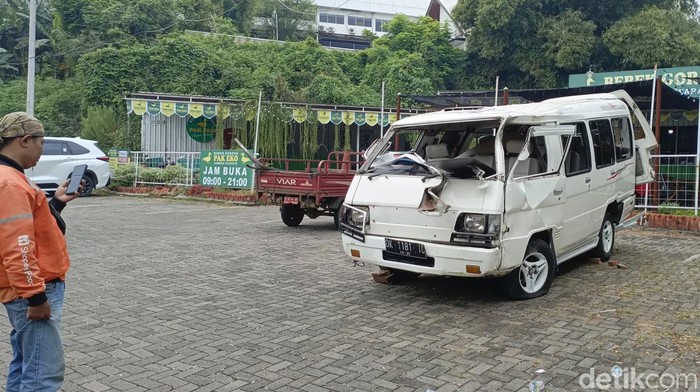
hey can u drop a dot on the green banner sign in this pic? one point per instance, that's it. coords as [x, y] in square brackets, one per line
[685, 80]
[225, 168]
[201, 129]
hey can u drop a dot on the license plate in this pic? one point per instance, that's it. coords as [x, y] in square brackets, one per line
[405, 248]
[290, 200]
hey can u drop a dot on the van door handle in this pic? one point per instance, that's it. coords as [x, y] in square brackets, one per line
[588, 180]
[558, 191]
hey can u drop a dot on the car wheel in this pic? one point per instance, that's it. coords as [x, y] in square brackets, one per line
[292, 214]
[606, 239]
[534, 276]
[89, 184]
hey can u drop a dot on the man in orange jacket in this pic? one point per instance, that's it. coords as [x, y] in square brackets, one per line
[34, 259]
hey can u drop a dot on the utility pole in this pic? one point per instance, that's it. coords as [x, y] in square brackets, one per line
[274, 15]
[31, 55]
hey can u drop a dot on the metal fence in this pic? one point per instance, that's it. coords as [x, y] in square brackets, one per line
[165, 168]
[675, 186]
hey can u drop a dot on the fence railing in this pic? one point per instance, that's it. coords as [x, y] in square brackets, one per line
[165, 168]
[675, 186]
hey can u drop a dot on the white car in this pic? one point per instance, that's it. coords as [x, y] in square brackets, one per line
[61, 155]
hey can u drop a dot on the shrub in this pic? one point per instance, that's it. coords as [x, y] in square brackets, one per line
[124, 175]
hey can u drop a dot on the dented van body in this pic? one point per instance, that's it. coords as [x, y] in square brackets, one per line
[508, 191]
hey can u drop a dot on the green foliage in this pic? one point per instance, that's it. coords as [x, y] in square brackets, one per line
[102, 124]
[291, 20]
[672, 208]
[57, 104]
[655, 36]
[124, 175]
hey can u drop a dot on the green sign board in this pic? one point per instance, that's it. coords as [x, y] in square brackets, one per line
[685, 80]
[225, 168]
[201, 129]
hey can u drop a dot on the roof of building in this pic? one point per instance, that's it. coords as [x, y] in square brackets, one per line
[413, 8]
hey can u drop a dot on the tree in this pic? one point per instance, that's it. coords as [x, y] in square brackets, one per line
[103, 125]
[291, 20]
[655, 36]
[537, 43]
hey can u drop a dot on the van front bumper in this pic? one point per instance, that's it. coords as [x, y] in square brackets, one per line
[442, 259]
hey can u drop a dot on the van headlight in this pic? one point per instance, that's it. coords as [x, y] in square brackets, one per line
[478, 230]
[474, 223]
[478, 223]
[356, 216]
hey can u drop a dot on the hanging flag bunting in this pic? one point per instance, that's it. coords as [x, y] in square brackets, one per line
[196, 110]
[250, 113]
[664, 116]
[224, 111]
[372, 119]
[348, 117]
[153, 108]
[299, 115]
[324, 116]
[691, 116]
[181, 109]
[336, 117]
[167, 108]
[209, 111]
[139, 107]
[385, 119]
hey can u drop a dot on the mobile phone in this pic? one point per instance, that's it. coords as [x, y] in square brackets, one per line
[76, 178]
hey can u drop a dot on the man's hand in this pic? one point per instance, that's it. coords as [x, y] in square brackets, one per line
[39, 312]
[60, 193]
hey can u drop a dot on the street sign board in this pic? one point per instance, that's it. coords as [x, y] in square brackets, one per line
[225, 168]
[685, 80]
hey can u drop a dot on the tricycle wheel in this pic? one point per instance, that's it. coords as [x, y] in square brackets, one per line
[292, 214]
[337, 216]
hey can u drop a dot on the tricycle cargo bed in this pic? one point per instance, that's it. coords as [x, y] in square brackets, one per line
[318, 189]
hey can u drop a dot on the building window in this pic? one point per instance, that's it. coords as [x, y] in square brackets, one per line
[359, 21]
[331, 18]
[381, 25]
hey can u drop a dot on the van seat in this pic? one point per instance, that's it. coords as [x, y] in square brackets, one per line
[436, 152]
[529, 166]
[483, 152]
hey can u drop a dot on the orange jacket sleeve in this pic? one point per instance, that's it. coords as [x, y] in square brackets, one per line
[17, 240]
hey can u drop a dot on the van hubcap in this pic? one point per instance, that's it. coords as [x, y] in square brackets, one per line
[533, 272]
[607, 236]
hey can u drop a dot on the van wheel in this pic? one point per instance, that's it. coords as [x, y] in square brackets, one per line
[606, 239]
[292, 214]
[534, 276]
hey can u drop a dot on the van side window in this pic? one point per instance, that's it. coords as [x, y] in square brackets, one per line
[603, 143]
[623, 138]
[578, 160]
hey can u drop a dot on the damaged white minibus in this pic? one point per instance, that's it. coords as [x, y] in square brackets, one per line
[507, 191]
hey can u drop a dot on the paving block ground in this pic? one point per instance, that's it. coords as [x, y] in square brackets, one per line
[176, 295]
